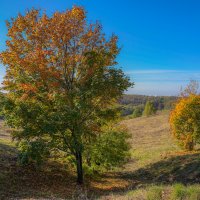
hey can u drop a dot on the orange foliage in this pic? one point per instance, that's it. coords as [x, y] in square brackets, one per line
[50, 53]
[185, 121]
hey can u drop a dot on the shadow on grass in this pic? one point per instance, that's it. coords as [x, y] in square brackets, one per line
[183, 169]
[53, 181]
[180, 169]
[17, 182]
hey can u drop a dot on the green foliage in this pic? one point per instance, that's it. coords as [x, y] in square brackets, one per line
[160, 102]
[149, 109]
[128, 104]
[110, 150]
[131, 111]
[2, 103]
[33, 152]
[137, 111]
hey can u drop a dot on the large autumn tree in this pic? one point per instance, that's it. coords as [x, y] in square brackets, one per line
[61, 81]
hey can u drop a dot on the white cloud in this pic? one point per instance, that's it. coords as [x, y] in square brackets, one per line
[155, 89]
[151, 71]
[160, 82]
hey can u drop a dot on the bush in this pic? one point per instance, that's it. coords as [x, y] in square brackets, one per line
[110, 150]
[149, 109]
[138, 111]
[185, 121]
[33, 152]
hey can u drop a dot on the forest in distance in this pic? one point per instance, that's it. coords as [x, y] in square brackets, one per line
[129, 103]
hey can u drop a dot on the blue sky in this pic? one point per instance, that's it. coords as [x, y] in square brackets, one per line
[160, 39]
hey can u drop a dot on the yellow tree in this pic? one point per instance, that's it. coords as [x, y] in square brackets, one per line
[61, 80]
[185, 121]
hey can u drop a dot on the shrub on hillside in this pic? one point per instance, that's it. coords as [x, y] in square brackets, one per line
[110, 150]
[149, 109]
[185, 121]
[138, 111]
[33, 152]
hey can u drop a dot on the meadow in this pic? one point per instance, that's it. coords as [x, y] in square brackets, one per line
[158, 169]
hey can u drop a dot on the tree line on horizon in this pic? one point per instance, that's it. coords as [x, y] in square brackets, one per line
[134, 105]
[131, 104]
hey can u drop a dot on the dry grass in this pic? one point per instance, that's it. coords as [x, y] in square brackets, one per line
[151, 139]
[156, 160]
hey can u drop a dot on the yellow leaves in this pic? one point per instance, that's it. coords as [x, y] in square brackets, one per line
[184, 119]
[28, 87]
[44, 19]
[78, 12]
[53, 52]
[90, 33]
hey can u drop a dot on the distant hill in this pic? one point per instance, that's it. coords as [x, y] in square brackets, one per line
[130, 102]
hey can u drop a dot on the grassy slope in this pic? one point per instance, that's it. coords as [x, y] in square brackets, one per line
[156, 160]
[158, 165]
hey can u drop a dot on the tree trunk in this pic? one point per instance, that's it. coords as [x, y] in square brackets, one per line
[79, 167]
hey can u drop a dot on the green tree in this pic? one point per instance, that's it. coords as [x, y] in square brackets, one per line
[2, 103]
[61, 82]
[149, 109]
[138, 111]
